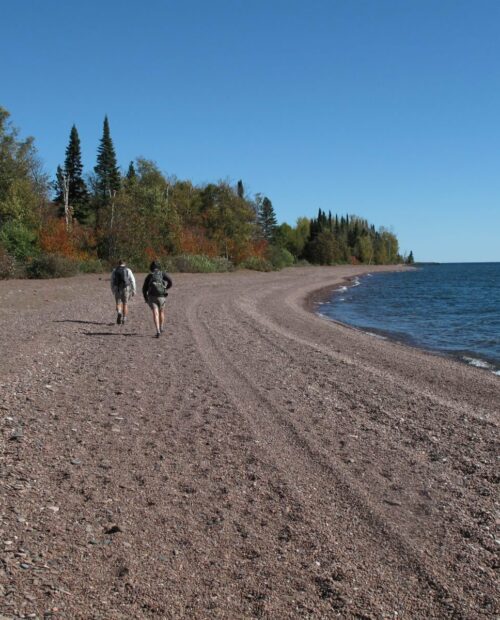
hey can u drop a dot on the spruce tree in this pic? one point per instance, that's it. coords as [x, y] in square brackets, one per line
[108, 178]
[78, 196]
[267, 219]
[131, 173]
[240, 190]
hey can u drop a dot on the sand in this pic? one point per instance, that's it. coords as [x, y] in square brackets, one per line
[257, 461]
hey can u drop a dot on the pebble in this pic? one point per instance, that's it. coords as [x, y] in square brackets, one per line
[53, 508]
[76, 462]
[17, 435]
[114, 529]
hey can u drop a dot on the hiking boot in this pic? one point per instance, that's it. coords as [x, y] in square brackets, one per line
[124, 318]
[119, 318]
[158, 334]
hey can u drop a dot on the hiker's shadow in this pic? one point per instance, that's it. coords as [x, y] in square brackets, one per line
[113, 333]
[84, 322]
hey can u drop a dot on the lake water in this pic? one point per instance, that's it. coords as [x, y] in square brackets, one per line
[452, 308]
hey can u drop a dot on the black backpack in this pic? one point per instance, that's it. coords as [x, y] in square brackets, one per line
[157, 286]
[121, 278]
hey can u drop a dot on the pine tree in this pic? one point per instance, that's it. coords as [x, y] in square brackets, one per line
[108, 178]
[410, 260]
[78, 196]
[267, 219]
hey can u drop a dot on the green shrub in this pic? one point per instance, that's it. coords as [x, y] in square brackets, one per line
[51, 266]
[279, 257]
[256, 264]
[222, 264]
[18, 240]
[187, 263]
[92, 265]
[7, 265]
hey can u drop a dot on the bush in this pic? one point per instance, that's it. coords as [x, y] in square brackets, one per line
[51, 266]
[196, 263]
[222, 264]
[18, 240]
[279, 257]
[7, 265]
[256, 263]
[92, 265]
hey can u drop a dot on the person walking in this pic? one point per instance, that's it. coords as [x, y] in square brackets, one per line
[154, 290]
[123, 287]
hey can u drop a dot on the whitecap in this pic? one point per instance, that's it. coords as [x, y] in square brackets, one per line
[376, 335]
[478, 363]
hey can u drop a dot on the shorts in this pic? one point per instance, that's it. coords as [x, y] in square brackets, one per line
[159, 302]
[123, 295]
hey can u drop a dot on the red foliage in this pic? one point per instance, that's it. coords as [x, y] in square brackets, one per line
[194, 241]
[240, 252]
[55, 239]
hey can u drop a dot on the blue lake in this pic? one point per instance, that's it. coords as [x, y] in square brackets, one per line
[452, 308]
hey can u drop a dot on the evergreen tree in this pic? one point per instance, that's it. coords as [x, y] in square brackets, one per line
[267, 219]
[410, 260]
[78, 196]
[107, 174]
[131, 173]
[240, 190]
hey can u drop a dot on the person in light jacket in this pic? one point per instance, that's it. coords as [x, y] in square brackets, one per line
[123, 287]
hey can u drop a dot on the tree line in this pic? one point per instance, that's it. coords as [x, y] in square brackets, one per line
[94, 218]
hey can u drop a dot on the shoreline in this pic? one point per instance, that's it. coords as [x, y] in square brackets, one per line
[468, 358]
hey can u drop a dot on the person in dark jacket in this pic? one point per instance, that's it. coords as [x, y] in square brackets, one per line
[154, 290]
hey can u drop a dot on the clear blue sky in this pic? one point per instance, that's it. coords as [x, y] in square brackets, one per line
[389, 109]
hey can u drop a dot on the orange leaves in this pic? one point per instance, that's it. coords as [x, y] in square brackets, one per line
[194, 241]
[55, 239]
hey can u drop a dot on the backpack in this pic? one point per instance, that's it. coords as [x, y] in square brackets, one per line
[157, 286]
[121, 278]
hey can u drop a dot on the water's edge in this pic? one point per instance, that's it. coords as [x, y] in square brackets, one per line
[326, 295]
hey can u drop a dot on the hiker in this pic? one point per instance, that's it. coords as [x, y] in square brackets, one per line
[123, 287]
[155, 289]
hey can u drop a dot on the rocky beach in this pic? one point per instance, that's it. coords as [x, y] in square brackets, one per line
[257, 461]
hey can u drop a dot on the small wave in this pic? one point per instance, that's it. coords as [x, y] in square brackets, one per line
[356, 282]
[342, 288]
[496, 372]
[478, 363]
[376, 335]
[342, 299]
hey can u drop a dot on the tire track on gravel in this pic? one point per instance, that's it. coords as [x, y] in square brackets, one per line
[249, 308]
[315, 426]
[313, 470]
